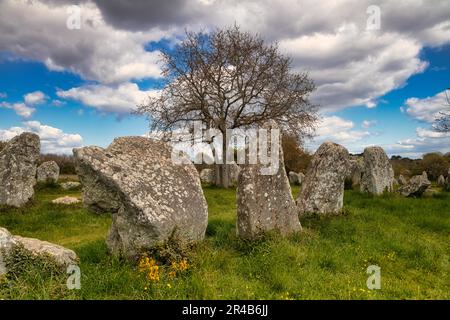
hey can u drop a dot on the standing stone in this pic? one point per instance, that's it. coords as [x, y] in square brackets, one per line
[18, 162]
[48, 172]
[378, 174]
[355, 171]
[150, 195]
[441, 181]
[207, 176]
[301, 177]
[293, 177]
[235, 169]
[70, 185]
[264, 202]
[402, 180]
[323, 188]
[416, 186]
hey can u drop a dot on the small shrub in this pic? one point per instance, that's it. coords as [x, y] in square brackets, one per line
[175, 248]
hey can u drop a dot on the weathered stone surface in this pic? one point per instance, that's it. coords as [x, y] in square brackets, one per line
[378, 174]
[207, 176]
[264, 202]
[301, 177]
[235, 169]
[48, 172]
[6, 243]
[323, 189]
[402, 180]
[70, 185]
[62, 256]
[18, 162]
[416, 186]
[293, 177]
[355, 170]
[441, 181]
[66, 200]
[149, 195]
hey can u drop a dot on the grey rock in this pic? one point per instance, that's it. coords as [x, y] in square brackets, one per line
[48, 172]
[6, 244]
[402, 180]
[264, 202]
[66, 200]
[69, 185]
[355, 170]
[18, 162]
[149, 195]
[323, 189]
[293, 177]
[235, 169]
[441, 181]
[416, 186]
[207, 176]
[378, 174]
[301, 177]
[62, 256]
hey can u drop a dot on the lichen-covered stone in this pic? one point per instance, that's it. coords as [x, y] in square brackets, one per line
[355, 170]
[18, 162]
[207, 175]
[63, 257]
[416, 186]
[441, 181]
[378, 175]
[293, 177]
[69, 185]
[301, 177]
[402, 180]
[264, 202]
[149, 195]
[66, 200]
[323, 189]
[48, 172]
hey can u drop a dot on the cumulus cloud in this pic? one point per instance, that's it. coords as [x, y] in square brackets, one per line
[33, 98]
[96, 51]
[368, 123]
[21, 109]
[339, 130]
[426, 109]
[425, 141]
[351, 65]
[120, 99]
[53, 140]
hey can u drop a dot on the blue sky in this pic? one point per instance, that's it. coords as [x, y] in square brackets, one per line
[77, 87]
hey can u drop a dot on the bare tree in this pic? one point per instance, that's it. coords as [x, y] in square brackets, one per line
[230, 79]
[442, 123]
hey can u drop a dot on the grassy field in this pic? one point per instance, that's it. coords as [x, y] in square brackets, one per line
[409, 239]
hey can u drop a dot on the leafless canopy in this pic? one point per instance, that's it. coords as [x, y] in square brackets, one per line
[230, 79]
[443, 120]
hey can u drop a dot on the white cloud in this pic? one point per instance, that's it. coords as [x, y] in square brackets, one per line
[33, 98]
[53, 140]
[339, 130]
[426, 109]
[426, 141]
[21, 109]
[368, 123]
[96, 51]
[121, 99]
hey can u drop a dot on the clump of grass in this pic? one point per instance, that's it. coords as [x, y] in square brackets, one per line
[174, 249]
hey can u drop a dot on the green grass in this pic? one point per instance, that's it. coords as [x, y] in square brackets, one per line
[408, 238]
